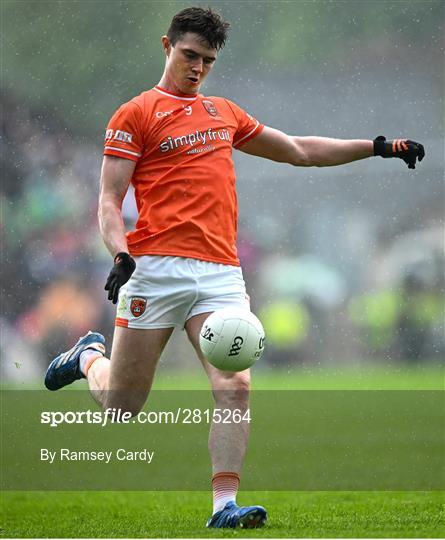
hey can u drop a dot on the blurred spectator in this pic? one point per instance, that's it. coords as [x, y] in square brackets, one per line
[422, 312]
[287, 325]
[376, 315]
[406, 319]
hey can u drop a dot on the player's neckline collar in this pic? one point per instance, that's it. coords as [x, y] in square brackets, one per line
[185, 97]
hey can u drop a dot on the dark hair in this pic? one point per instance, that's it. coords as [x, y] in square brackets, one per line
[210, 26]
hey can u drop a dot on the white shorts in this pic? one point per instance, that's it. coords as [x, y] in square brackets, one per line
[166, 291]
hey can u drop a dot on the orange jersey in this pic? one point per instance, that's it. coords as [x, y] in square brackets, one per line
[184, 177]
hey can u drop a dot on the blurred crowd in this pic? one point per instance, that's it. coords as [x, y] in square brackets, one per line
[54, 266]
[53, 261]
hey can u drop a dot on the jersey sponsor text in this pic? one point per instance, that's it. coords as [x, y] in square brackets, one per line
[197, 137]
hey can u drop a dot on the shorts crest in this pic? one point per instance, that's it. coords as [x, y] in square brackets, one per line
[138, 305]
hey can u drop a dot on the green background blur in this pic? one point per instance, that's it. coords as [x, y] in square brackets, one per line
[85, 58]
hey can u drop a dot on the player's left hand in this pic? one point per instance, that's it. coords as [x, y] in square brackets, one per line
[404, 149]
[124, 266]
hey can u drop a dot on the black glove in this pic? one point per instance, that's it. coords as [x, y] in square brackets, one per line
[401, 148]
[124, 266]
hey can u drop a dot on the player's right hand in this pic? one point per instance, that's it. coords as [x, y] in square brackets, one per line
[124, 266]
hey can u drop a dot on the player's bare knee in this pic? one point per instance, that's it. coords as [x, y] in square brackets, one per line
[232, 391]
[231, 381]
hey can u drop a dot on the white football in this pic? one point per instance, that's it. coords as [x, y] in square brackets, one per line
[232, 339]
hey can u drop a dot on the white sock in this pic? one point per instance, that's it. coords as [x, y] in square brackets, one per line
[87, 358]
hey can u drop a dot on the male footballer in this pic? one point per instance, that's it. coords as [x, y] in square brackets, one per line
[180, 264]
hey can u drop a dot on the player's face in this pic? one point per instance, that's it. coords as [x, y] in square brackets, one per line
[189, 62]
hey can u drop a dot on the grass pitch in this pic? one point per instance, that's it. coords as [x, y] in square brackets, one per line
[99, 514]
[183, 515]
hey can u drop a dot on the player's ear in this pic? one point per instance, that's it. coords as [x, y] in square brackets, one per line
[166, 44]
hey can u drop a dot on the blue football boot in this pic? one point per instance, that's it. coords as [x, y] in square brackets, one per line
[232, 515]
[65, 368]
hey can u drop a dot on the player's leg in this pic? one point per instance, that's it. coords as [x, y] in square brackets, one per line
[150, 305]
[121, 382]
[227, 441]
[125, 380]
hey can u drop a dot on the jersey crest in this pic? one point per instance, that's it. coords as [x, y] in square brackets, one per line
[209, 106]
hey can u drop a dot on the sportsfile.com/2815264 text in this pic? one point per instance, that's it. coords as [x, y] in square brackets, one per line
[179, 415]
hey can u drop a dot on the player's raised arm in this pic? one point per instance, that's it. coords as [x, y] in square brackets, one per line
[324, 152]
[115, 179]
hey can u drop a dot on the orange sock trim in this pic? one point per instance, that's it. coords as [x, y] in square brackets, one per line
[90, 362]
[226, 474]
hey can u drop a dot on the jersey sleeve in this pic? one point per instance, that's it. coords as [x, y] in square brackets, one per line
[123, 137]
[248, 127]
